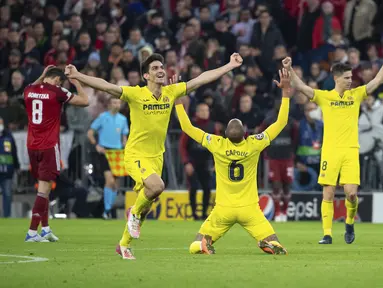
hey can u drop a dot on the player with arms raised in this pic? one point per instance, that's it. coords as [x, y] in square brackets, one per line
[44, 101]
[150, 109]
[340, 150]
[236, 162]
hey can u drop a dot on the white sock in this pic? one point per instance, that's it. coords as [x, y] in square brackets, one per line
[46, 229]
[32, 232]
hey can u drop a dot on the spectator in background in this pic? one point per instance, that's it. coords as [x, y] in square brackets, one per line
[373, 57]
[32, 67]
[155, 28]
[249, 114]
[16, 91]
[309, 144]
[281, 161]
[206, 20]
[232, 12]
[128, 62]
[83, 50]
[225, 38]
[324, 25]
[135, 41]
[226, 92]
[117, 77]
[9, 164]
[243, 30]
[13, 65]
[13, 115]
[354, 60]
[74, 29]
[266, 36]
[171, 62]
[317, 74]
[162, 44]
[358, 18]
[197, 161]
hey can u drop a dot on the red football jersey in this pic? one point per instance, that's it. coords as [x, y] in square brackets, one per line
[44, 103]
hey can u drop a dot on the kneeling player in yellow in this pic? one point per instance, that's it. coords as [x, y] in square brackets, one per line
[340, 150]
[236, 162]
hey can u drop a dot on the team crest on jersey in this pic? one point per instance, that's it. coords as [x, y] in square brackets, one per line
[143, 170]
[166, 99]
[350, 98]
[259, 136]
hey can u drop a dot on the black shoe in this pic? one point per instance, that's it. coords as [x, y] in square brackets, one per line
[349, 236]
[327, 239]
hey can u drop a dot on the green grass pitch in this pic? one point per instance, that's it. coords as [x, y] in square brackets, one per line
[85, 257]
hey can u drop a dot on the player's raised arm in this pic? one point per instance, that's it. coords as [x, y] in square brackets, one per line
[296, 81]
[186, 125]
[375, 83]
[94, 82]
[82, 98]
[283, 115]
[212, 75]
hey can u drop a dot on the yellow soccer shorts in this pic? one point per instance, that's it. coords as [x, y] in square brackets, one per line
[343, 162]
[251, 217]
[140, 168]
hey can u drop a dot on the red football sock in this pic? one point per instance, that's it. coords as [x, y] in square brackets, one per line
[38, 211]
[285, 206]
[45, 217]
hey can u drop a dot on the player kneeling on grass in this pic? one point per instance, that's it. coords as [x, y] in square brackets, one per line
[236, 161]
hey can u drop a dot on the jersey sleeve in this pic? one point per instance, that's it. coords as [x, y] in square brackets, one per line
[360, 92]
[318, 96]
[260, 141]
[178, 90]
[96, 124]
[128, 93]
[211, 142]
[63, 95]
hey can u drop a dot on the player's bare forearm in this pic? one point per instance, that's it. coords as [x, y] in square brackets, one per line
[283, 116]
[375, 83]
[212, 75]
[207, 77]
[300, 85]
[99, 84]
[91, 137]
[186, 126]
[82, 98]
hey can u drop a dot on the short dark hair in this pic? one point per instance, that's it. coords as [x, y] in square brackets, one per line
[145, 65]
[56, 72]
[339, 68]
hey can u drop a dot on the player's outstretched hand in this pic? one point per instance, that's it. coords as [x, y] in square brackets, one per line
[287, 62]
[235, 60]
[284, 76]
[71, 71]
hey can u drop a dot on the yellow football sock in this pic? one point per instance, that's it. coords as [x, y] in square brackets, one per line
[327, 210]
[351, 207]
[126, 238]
[141, 203]
[195, 247]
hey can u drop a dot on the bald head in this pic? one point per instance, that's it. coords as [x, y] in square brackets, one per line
[235, 131]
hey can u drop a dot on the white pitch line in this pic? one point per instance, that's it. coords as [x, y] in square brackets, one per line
[29, 259]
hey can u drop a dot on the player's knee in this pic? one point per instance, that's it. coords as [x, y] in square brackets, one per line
[351, 196]
[328, 193]
[157, 188]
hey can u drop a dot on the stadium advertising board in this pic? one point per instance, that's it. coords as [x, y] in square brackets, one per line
[174, 205]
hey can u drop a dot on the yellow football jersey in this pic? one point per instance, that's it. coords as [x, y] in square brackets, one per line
[340, 116]
[149, 118]
[236, 168]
